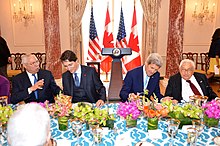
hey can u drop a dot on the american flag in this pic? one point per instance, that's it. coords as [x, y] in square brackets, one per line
[133, 60]
[121, 37]
[107, 43]
[94, 50]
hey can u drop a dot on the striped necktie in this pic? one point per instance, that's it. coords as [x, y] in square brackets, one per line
[76, 80]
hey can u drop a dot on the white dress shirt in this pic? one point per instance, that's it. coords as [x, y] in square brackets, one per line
[186, 89]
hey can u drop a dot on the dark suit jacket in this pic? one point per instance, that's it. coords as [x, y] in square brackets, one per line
[4, 52]
[133, 83]
[21, 83]
[174, 87]
[91, 82]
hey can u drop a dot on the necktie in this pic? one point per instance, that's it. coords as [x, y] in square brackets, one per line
[35, 81]
[76, 80]
[146, 82]
[193, 87]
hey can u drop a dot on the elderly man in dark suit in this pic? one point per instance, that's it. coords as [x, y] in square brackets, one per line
[81, 82]
[187, 83]
[143, 77]
[34, 84]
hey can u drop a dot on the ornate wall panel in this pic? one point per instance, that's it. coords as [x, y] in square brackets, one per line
[52, 36]
[175, 36]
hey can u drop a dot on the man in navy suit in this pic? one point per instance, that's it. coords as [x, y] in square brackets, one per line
[81, 82]
[180, 82]
[143, 77]
[34, 84]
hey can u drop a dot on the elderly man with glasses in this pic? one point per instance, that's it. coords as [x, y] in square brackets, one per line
[34, 84]
[188, 83]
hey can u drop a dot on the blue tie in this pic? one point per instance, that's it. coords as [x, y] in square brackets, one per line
[35, 81]
[146, 82]
[76, 80]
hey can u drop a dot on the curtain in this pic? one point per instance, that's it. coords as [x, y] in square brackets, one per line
[150, 26]
[76, 10]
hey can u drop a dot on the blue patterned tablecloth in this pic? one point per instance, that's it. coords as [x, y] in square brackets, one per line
[134, 135]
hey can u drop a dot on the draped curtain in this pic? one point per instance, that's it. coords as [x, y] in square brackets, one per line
[76, 10]
[150, 26]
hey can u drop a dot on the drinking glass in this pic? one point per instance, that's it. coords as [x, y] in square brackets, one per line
[97, 136]
[172, 129]
[77, 130]
[198, 125]
[192, 135]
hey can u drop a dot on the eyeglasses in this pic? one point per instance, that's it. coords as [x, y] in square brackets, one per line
[35, 62]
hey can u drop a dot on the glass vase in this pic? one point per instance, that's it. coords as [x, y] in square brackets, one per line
[131, 123]
[63, 123]
[152, 123]
[211, 122]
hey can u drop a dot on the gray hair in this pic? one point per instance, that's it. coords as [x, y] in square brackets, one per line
[24, 58]
[29, 126]
[155, 58]
[187, 61]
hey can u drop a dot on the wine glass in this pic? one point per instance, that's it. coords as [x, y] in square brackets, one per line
[173, 125]
[77, 130]
[198, 125]
[192, 135]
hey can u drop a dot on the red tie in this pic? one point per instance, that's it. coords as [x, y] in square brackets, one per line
[193, 87]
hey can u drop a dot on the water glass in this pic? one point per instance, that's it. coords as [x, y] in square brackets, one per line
[77, 130]
[172, 129]
[97, 135]
[192, 135]
[198, 125]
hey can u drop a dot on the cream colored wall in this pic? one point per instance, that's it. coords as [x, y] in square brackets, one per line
[20, 38]
[196, 38]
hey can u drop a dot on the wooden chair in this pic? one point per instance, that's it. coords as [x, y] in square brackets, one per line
[191, 56]
[15, 66]
[42, 59]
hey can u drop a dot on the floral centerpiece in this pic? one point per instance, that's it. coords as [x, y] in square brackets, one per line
[61, 109]
[153, 111]
[184, 113]
[130, 112]
[5, 113]
[93, 116]
[211, 113]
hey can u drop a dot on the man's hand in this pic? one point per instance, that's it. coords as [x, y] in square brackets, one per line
[100, 103]
[37, 85]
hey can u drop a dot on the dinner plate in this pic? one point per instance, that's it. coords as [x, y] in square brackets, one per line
[76, 104]
[217, 140]
[144, 143]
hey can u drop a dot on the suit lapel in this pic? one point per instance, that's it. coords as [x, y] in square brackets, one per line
[200, 82]
[179, 86]
[83, 77]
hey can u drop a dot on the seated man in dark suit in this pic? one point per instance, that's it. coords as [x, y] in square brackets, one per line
[34, 84]
[81, 82]
[187, 83]
[143, 77]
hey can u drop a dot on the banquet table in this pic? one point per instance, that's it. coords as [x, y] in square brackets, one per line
[121, 135]
[124, 136]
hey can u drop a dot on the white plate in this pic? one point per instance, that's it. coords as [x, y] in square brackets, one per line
[144, 143]
[76, 104]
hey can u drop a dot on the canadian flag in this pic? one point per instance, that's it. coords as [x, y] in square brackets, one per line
[134, 60]
[107, 43]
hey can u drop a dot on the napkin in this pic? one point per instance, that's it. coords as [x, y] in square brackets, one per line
[123, 140]
[63, 142]
[155, 134]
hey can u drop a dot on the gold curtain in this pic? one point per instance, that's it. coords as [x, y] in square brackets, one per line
[149, 27]
[76, 10]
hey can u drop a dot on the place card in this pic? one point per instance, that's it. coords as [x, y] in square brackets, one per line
[123, 140]
[184, 128]
[155, 134]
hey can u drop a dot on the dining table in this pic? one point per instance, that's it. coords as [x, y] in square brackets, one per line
[121, 135]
